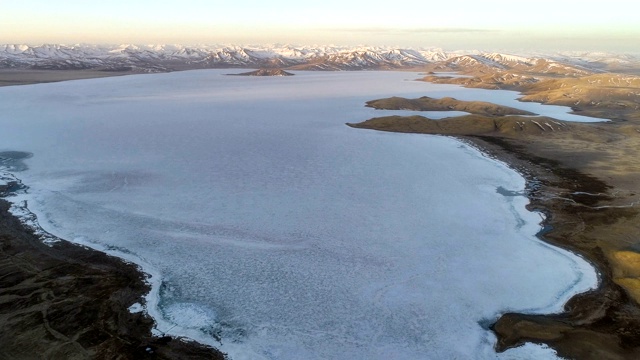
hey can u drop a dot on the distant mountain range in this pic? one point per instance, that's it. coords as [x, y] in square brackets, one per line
[162, 58]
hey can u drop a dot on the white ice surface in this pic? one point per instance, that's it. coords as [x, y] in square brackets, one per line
[267, 222]
[136, 308]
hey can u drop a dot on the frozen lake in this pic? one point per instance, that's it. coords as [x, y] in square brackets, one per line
[279, 230]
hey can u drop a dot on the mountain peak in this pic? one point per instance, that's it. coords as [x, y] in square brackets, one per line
[169, 57]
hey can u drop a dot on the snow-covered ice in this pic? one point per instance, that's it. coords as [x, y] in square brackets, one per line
[269, 224]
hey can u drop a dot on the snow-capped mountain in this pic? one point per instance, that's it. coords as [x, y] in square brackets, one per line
[160, 58]
[603, 61]
[490, 62]
[176, 57]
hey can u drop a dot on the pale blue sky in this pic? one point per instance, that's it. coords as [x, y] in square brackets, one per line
[450, 24]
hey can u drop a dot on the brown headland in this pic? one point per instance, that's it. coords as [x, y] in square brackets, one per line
[426, 103]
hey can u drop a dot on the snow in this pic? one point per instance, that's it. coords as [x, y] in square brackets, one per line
[231, 54]
[502, 58]
[265, 221]
[246, 55]
[136, 308]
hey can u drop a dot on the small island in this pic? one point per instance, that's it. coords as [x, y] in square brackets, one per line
[265, 72]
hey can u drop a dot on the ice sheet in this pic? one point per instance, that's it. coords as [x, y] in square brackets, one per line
[269, 224]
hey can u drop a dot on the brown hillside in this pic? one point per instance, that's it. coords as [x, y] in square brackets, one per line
[426, 103]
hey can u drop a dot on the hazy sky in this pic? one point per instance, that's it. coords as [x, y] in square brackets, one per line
[449, 24]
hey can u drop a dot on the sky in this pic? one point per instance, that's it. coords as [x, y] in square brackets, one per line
[611, 25]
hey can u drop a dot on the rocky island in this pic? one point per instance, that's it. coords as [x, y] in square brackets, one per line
[60, 300]
[265, 72]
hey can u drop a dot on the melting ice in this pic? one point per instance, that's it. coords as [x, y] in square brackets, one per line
[281, 232]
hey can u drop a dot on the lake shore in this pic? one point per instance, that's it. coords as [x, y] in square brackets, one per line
[69, 301]
[585, 178]
[600, 324]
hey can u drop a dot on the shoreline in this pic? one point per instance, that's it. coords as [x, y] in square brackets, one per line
[584, 215]
[64, 300]
[14, 77]
[555, 330]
